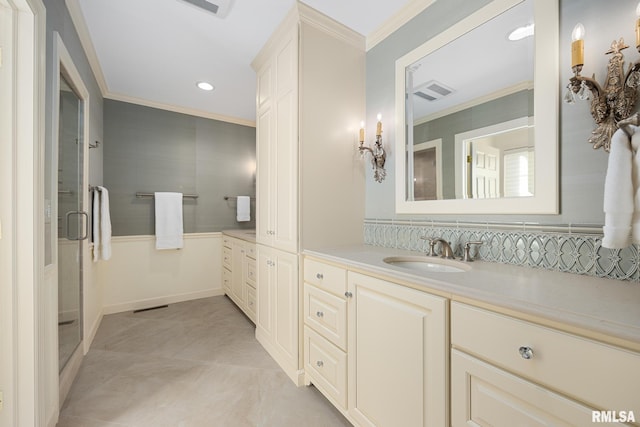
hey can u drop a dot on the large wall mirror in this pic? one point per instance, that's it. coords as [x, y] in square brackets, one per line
[476, 115]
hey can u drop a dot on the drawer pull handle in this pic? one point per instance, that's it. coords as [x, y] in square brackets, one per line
[320, 314]
[526, 352]
[320, 363]
[348, 294]
[320, 276]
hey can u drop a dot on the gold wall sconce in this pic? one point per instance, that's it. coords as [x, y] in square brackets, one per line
[378, 155]
[613, 103]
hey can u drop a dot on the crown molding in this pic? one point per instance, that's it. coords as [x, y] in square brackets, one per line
[330, 26]
[179, 109]
[404, 15]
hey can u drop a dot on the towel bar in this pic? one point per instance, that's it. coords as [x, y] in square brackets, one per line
[187, 196]
[235, 197]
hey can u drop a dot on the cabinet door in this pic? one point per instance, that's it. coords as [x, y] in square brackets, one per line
[237, 272]
[285, 168]
[397, 352]
[264, 172]
[264, 292]
[483, 395]
[277, 311]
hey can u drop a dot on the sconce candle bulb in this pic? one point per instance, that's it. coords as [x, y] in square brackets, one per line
[379, 126]
[361, 139]
[577, 47]
[638, 27]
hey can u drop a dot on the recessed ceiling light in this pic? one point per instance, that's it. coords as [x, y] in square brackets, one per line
[521, 32]
[205, 86]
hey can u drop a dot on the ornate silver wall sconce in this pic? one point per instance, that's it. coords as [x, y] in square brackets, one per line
[615, 101]
[378, 155]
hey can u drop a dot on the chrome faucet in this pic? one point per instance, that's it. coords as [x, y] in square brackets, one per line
[447, 252]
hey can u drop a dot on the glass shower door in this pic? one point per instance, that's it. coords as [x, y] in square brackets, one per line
[72, 221]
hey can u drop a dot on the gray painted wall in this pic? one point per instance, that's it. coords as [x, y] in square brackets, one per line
[148, 150]
[582, 169]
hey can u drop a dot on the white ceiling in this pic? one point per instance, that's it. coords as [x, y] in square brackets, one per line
[154, 51]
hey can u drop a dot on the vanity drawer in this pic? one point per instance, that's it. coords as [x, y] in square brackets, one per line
[327, 314]
[226, 280]
[251, 272]
[251, 251]
[601, 375]
[326, 365]
[226, 241]
[327, 277]
[226, 257]
[251, 303]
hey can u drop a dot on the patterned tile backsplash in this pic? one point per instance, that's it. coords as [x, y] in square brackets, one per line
[562, 248]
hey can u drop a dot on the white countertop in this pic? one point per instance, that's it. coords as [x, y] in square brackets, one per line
[248, 235]
[608, 308]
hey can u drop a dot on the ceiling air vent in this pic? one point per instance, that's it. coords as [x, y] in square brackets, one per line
[432, 91]
[220, 8]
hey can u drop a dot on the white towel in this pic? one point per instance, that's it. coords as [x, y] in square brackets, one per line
[101, 224]
[243, 209]
[169, 227]
[621, 191]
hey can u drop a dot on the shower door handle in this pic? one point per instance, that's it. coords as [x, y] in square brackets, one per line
[86, 225]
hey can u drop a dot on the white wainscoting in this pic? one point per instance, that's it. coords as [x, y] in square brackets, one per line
[138, 276]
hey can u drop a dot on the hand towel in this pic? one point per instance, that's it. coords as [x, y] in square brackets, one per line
[95, 224]
[621, 186]
[105, 224]
[169, 228]
[243, 209]
[101, 226]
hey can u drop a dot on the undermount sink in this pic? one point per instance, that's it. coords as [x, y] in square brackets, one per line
[428, 264]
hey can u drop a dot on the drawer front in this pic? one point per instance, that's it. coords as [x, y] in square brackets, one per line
[226, 242]
[251, 251]
[327, 277]
[251, 304]
[226, 280]
[326, 366]
[226, 257]
[601, 375]
[327, 314]
[251, 273]
[482, 394]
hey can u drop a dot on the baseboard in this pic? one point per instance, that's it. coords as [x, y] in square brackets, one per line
[88, 339]
[296, 375]
[68, 374]
[153, 302]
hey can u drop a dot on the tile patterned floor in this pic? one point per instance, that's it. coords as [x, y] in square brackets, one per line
[192, 364]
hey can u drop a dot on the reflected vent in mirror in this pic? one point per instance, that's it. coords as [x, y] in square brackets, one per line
[433, 90]
[220, 8]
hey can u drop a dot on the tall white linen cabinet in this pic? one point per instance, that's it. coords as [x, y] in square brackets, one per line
[310, 178]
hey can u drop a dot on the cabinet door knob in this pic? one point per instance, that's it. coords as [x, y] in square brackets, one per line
[320, 363]
[319, 276]
[320, 314]
[526, 352]
[348, 294]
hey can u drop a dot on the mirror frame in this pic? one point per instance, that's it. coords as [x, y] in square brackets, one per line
[546, 98]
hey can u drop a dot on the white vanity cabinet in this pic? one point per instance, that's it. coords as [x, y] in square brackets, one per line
[397, 355]
[377, 350]
[506, 372]
[309, 185]
[239, 273]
